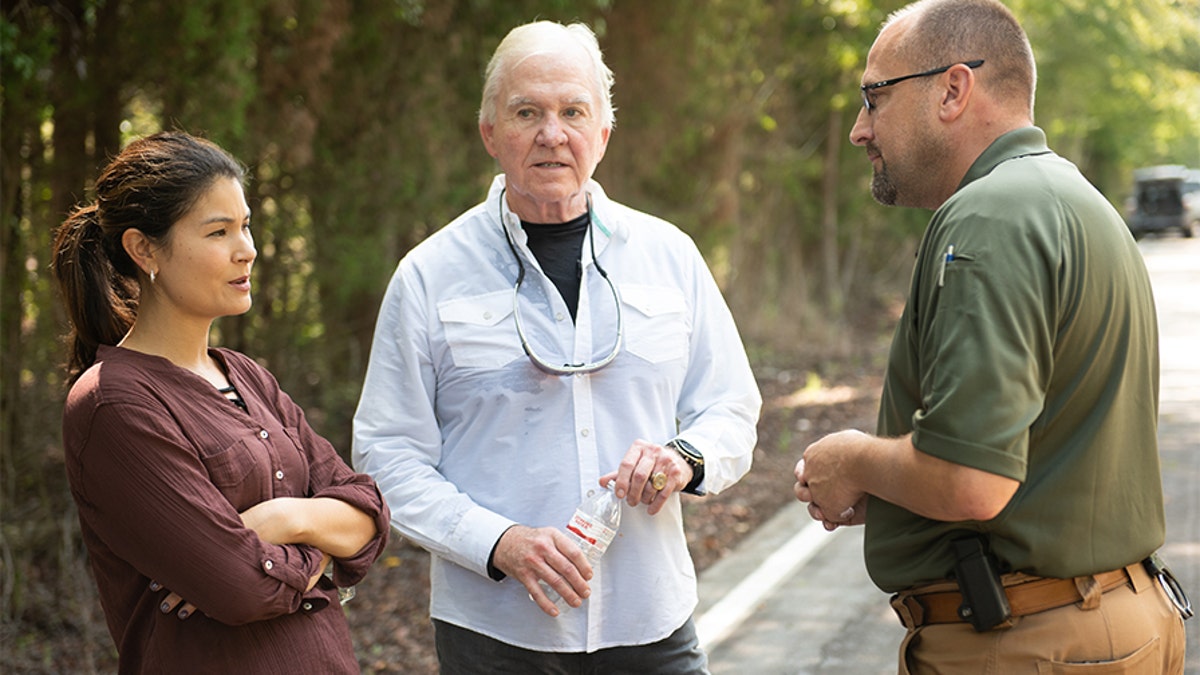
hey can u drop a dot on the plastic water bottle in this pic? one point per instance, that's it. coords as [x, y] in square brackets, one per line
[592, 528]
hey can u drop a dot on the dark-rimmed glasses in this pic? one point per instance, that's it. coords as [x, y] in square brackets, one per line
[542, 364]
[868, 88]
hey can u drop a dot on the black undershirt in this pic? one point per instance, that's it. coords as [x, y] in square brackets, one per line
[558, 248]
[234, 397]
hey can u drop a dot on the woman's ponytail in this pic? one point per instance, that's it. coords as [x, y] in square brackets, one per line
[100, 302]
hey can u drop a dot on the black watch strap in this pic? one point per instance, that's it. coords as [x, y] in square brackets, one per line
[694, 459]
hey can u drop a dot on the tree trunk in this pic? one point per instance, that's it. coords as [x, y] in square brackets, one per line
[830, 254]
[69, 171]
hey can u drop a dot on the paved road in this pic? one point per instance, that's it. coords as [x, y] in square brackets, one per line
[794, 600]
[1175, 269]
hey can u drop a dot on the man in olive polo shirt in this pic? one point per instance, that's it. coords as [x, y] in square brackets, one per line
[1016, 462]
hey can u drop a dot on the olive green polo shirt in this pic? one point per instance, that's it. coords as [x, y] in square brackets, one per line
[1028, 348]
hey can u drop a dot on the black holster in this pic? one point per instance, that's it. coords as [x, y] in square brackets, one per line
[985, 605]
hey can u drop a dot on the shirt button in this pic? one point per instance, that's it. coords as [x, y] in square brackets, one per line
[279, 475]
[268, 565]
[584, 433]
[559, 316]
[487, 316]
[263, 434]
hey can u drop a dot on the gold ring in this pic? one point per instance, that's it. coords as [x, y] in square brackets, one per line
[659, 480]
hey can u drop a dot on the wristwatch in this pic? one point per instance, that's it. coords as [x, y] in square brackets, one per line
[694, 459]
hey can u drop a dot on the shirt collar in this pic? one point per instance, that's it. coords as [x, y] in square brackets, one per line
[607, 224]
[1011, 145]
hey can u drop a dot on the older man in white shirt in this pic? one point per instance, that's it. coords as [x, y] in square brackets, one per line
[547, 342]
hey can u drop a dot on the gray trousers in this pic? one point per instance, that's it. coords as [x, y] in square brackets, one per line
[464, 652]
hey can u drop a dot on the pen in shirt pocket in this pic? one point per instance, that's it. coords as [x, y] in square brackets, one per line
[949, 256]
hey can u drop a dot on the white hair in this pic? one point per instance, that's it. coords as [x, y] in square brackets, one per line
[541, 37]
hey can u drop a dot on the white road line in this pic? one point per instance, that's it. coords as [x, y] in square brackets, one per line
[730, 611]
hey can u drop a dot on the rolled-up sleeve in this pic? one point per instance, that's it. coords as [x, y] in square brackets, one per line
[361, 493]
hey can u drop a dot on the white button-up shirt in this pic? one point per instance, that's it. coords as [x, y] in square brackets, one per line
[466, 437]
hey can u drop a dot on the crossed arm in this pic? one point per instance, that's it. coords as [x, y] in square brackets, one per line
[336, 528]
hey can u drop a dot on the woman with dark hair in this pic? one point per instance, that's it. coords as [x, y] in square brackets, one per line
[209, 507]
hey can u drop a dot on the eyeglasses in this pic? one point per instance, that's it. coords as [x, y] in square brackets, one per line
[541, 363]
[868, 88]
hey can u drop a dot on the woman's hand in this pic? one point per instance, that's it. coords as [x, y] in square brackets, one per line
[172, 601]
[312, 581]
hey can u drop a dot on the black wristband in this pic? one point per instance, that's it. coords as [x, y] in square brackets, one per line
[694, 459]
[494, 572]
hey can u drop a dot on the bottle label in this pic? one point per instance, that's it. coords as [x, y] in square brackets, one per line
[592, 533]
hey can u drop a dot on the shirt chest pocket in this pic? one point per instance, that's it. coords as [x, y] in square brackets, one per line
[657, 325]
[480, 330]
[238, 471]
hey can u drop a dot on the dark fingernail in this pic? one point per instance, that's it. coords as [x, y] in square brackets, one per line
[155, 586]
[183, 614]
[165, 607]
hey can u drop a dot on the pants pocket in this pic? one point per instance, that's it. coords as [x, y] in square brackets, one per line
[1146, 660]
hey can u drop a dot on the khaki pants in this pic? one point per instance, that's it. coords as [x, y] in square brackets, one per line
[1131, 631]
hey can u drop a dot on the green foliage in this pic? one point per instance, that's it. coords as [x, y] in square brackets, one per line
[198, 59]
[1135, 104]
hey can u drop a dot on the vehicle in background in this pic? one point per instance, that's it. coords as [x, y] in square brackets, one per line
[1165, 198]
[1191, 198]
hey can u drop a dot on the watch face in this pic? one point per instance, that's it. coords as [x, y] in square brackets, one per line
[689, 453]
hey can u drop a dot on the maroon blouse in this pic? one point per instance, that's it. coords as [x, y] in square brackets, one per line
[160, 464]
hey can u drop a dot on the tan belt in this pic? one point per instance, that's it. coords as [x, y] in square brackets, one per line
[1027, 595]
